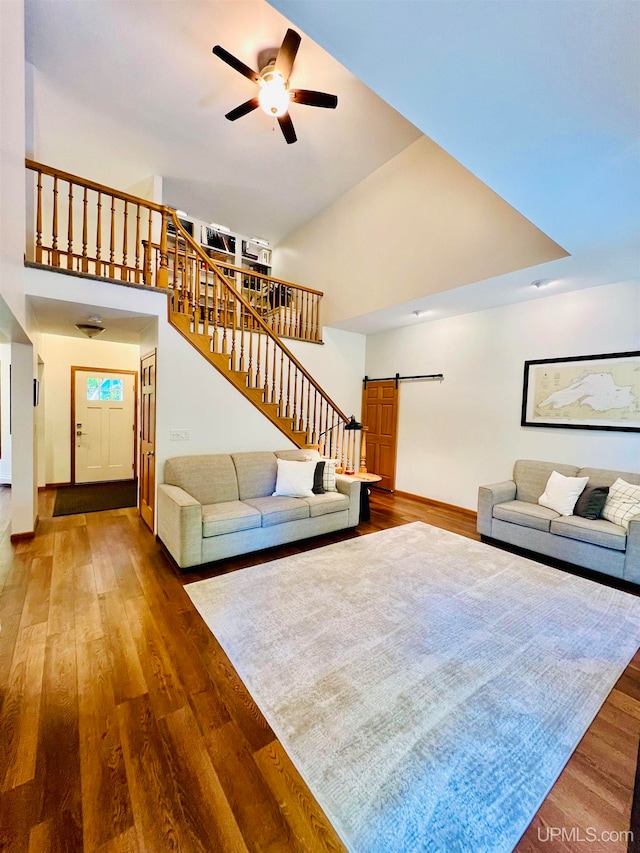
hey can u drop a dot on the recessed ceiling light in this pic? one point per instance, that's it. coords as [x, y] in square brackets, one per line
[542, 282]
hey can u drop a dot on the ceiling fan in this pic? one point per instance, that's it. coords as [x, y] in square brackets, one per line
[275, 96]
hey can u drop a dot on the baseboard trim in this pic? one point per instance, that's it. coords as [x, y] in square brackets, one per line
[430, 502]
[27, 536]
[54, 486]
[22, 537]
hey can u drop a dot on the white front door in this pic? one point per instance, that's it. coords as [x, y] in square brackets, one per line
[104, 425]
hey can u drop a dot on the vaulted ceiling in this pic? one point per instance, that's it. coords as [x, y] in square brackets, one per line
[540, 100]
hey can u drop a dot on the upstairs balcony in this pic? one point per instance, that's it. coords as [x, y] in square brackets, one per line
[83, 227]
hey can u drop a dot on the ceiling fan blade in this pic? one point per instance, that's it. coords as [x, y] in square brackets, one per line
[243, 109]
[287, 53]
[314, 99]
[286, 126]
[239, 66]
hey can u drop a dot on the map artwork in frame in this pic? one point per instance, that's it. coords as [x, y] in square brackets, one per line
[583, 392]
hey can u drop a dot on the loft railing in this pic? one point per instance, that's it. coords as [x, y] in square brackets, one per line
[87, 227]
[222, 322]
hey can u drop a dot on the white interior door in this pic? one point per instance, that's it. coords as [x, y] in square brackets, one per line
[104, 426]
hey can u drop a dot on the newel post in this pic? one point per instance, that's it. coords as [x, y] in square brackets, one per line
[163, 271]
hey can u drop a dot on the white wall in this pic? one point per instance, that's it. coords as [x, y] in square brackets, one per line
[5, 436]
[59, 354]
[419, 224]
[12, 152]
[456, 435]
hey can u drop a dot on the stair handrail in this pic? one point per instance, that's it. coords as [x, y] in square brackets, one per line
[216, 269]
[94, 185]
[270, 278]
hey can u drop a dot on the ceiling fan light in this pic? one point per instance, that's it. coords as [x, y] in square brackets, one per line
[273, 97]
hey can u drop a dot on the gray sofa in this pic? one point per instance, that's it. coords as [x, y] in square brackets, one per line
[509, 512]
[220, 505]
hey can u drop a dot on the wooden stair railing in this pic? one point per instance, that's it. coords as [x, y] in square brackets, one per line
[87, 227]
[90, 228]
[222, 324]
[290, 310]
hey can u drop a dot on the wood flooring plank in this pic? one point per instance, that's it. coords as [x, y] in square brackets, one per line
[127, 676]
[86, 605]
[11, 609]
[239, 703]
[307, 821]
[61, 618]
[99, 543]
[19, 810]
[41, 546]
[20, 718]
[58, 763]
[107, 811]
[127, 842]
[159, 820]
[163, 686]
[625, 703]
[210, 819]
[583, 809]
[121, 542]
[254, 806]
[618, 790]
[36, 602]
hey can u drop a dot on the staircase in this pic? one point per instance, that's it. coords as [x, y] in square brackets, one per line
[91, 229]
[225, 328]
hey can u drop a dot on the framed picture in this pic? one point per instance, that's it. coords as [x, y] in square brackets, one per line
[583, 392]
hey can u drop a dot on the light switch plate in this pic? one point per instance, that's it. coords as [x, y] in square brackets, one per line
[180, 435]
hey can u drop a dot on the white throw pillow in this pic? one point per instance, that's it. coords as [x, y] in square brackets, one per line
[561, 493]
[329, 476]
[622, 504]
[295, 479]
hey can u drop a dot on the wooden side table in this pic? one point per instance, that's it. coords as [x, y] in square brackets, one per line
[365, 510]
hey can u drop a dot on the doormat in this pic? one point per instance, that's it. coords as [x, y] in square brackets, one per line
[93, 497]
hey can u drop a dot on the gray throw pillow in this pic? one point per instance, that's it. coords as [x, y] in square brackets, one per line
[318, 474]
[591, 502]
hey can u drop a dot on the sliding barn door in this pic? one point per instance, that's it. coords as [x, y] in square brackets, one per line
[380, 415]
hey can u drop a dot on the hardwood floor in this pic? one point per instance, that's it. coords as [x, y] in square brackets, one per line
[123, 726]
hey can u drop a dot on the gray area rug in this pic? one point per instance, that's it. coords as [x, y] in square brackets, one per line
[429, 688]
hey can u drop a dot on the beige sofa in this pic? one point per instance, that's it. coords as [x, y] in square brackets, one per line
[510, 512]
[220, 505]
